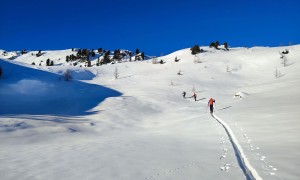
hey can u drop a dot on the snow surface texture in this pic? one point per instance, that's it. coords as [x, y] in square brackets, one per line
[249, 171]
[139, 126]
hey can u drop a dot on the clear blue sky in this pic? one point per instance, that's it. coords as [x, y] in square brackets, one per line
[154, 26]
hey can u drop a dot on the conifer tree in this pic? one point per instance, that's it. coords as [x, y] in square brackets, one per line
[143, 55]
[195, 49]
[226, 46]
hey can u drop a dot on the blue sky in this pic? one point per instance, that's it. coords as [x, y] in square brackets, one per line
[154, 26]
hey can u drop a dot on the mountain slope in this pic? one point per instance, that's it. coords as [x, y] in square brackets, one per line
[143, 128]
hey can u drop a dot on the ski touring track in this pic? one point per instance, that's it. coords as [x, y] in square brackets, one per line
[248, 170]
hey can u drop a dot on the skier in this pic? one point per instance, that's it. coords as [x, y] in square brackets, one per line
[211, 104]
[183, 94]
[195, 96]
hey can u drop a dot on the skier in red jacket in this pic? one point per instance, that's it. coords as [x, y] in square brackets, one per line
[195, 96]
[211, 104]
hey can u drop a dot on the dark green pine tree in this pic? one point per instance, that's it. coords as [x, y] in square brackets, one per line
[195, 49]
[226, 46]
[48, 62]
[217, 44]
[137, 51]
[212, 44]
[89, 64]
[143, 55]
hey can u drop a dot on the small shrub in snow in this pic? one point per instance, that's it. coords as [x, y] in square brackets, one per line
[277, 73]
[197, 59]
[154, 60]
[228, 69]
[116, 73]
[39, 53]
[179, 72]
[172, 83]
[67, 75]
[284, 61]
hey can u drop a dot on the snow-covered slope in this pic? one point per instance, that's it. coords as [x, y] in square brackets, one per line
[140, 127]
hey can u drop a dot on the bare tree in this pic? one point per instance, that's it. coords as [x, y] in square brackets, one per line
[154, 60]
[228, 69]
[277, 73]
[197, 59]
[172, 83]
[116, 73]
[284, 61]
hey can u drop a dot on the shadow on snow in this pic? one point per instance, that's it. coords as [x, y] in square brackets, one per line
[24, 90]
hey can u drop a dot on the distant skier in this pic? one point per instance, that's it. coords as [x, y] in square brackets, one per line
[183, 94]
[211, 104]
[195, 96]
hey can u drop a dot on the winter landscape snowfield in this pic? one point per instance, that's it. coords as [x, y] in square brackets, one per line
[139, 126]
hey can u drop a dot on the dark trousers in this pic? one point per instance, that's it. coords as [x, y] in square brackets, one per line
[211, 108]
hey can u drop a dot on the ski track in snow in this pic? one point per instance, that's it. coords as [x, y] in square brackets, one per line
[248, 170]
[225, 166]
[267, 166]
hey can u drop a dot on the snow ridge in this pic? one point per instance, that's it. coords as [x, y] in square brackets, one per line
[249, 171]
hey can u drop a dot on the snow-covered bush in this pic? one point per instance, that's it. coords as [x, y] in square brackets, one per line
[67, 75]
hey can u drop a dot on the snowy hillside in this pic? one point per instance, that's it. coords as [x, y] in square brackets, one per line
[63, 57]
[138, 125]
